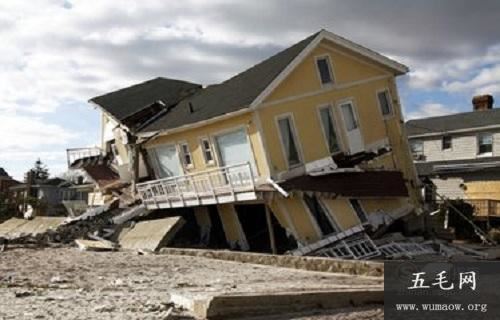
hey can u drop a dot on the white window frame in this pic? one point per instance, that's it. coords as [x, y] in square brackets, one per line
[293, 127]
[183, 154]
[218, 157]
[330, 67]
[211, 149]
[389, 99]
[478, 137]
[331, 109]
[151, 152]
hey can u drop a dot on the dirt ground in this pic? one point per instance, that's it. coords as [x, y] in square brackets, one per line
[65, 283]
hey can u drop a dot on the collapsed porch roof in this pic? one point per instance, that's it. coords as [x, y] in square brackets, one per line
[352, 184]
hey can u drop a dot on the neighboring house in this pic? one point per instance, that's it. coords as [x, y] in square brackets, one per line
[6, 182]
[460, 155]
[50, 194]
[309, 142]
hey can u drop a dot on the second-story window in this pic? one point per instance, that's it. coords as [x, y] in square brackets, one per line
[385, 103]
[485, 143]
[288, 139]
[207, 151]
[417, 149]
[446, 142]
[187, 160]
[328, 126]
[325, 70]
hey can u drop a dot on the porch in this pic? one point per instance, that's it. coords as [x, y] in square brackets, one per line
[216, 186]
[75, 154]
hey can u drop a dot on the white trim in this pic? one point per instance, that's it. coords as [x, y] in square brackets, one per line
[323, 90]
[293, 127]
[389, 100]
[330, 70]
[331, 110]
[475, 129]
[314, 223]
[323, 34]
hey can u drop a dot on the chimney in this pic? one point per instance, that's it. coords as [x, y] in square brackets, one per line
[482, 102]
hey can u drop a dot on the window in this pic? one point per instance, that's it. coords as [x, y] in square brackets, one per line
[288, 141]
[327, 124]
[446, 142]
[325, 224]
[207, 151]
[325, 70]
[485, 143]
[351, 123]
[384, 100]
[359, 210]
[417, 148]
[186, 155]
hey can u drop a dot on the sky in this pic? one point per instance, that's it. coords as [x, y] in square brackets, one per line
[57, 54]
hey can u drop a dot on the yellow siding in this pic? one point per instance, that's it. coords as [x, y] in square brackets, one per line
[232, 227]
[192, 137]
[308, 126]
[301, 219]
[304, 78]
[483, 190]
[342, 212]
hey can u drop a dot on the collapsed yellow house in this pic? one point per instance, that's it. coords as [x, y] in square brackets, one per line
[307, 143]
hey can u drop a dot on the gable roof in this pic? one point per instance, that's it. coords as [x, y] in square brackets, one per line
[231, 95]
[3, 173]
[454, 122]
[249, 88]
[128, 101]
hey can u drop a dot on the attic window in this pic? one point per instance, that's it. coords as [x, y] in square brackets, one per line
[325, 70]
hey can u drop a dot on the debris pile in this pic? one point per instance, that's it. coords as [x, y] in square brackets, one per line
[355, 243]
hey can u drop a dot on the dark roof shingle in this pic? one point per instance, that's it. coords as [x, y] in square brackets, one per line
[231, 95]
[127, 101]
[458, 121]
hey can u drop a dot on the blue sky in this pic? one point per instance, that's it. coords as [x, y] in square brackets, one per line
[57, 54]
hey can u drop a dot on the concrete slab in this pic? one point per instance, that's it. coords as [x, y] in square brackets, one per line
[14, 228]
[149, 235]
[236, 305]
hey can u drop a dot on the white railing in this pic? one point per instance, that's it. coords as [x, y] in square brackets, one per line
[204, 187]
[80, 153]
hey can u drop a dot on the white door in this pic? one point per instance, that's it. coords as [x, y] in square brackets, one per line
[351, 125]
[168, 161]
[234, 148]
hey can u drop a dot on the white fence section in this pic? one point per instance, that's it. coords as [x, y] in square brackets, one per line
[220, 185]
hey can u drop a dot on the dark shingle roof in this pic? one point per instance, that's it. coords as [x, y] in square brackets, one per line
[453, 122]
[3, 173]
[125, 102]
[231, 95]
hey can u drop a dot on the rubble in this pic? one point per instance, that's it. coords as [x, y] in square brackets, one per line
[95, 245]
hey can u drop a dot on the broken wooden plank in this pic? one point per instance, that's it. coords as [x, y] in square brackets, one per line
[95, 245]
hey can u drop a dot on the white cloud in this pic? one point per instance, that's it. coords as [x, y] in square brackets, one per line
[430, 110]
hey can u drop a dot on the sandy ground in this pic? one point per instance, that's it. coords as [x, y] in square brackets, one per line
[64, 283]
